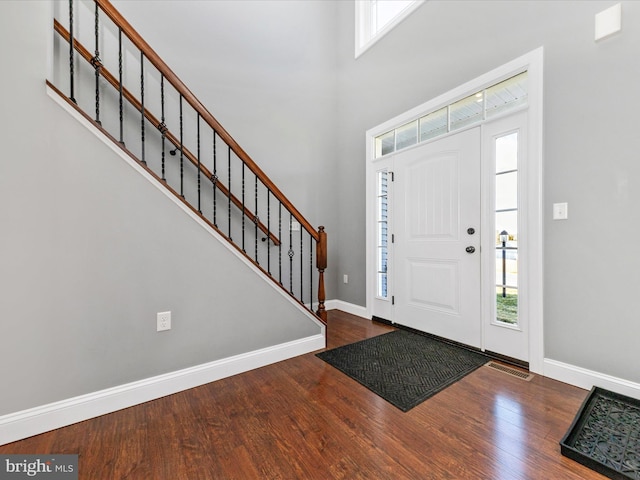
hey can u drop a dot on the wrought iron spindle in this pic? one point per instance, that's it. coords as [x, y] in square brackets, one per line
[229, 187]
[198, 143]
[268, 230]
[311, 271]
[291, 253]
[280, 243]
[142, 105]
[181, 153]
[214, 179]
[121, 104]
[301, 267]
[256, 219]
[71, 47]
[97, 63]
[163, 126]
[242, 212]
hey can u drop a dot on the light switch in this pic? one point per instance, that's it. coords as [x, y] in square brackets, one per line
[560, 211]
[609, 21]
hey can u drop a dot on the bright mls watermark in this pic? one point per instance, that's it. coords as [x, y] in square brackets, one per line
[49, 467]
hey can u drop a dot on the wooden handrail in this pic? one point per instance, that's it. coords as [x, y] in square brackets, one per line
[113, 81]
[190, 98]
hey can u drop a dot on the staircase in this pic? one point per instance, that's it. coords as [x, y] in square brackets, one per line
[113, 78]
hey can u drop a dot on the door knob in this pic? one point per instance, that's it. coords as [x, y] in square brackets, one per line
[470, 249]
[471, 230]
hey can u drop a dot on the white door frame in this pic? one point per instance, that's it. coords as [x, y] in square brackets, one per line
[533, 63]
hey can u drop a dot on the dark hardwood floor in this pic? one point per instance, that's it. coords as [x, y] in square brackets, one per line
[303, 419]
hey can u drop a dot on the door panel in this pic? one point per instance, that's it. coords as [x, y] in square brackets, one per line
[437, 282]
[432, 208]
[434, 285]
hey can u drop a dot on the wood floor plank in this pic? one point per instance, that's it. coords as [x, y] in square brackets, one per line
[303, 419]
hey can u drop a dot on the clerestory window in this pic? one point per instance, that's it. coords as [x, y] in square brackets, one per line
[375, 18]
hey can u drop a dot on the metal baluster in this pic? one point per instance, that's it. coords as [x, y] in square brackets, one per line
[242, 213]
[280, 244]
[181, 153]
[214, 179]
[256, 220]
[121, 105]
[311, 272]
[268, 231]
[97, 63]
[229, 202]
[291, 254]
[301, 268]
[142, 104]
[198, 140]
[162, 126]
[71, 46]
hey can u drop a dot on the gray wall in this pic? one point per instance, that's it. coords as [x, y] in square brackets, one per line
[77, 294]
[591, 145]
[90, 251]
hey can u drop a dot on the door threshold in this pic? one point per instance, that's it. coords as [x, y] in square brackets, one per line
[381, 320]
[493, 355]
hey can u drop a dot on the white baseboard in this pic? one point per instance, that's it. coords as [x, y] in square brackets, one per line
[346, 307]
[583, 378]
[26, 423]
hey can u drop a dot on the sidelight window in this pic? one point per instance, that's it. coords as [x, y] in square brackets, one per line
[382, 233]
[506, 227]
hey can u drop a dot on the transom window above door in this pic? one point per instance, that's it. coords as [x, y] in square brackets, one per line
[470, 110]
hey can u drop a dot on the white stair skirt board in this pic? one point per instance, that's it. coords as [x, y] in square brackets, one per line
[26, 423]
[583, 378]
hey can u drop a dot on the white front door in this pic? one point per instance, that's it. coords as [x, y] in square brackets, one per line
[437, 238]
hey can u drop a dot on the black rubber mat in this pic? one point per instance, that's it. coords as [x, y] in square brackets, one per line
[402, 367]
[605, 435]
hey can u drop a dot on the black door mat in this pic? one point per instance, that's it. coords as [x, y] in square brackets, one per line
[605, 435]
[402, 367]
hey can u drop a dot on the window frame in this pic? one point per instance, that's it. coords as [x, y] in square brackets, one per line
[384, 147]
[364, 37]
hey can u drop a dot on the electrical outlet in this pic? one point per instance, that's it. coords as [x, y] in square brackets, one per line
[164, 321]
[345, 278]
[295, 226]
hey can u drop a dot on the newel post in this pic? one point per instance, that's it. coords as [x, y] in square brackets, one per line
[321, 264]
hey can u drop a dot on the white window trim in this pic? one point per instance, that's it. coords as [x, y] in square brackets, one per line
[364, 39]
[533, 63]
